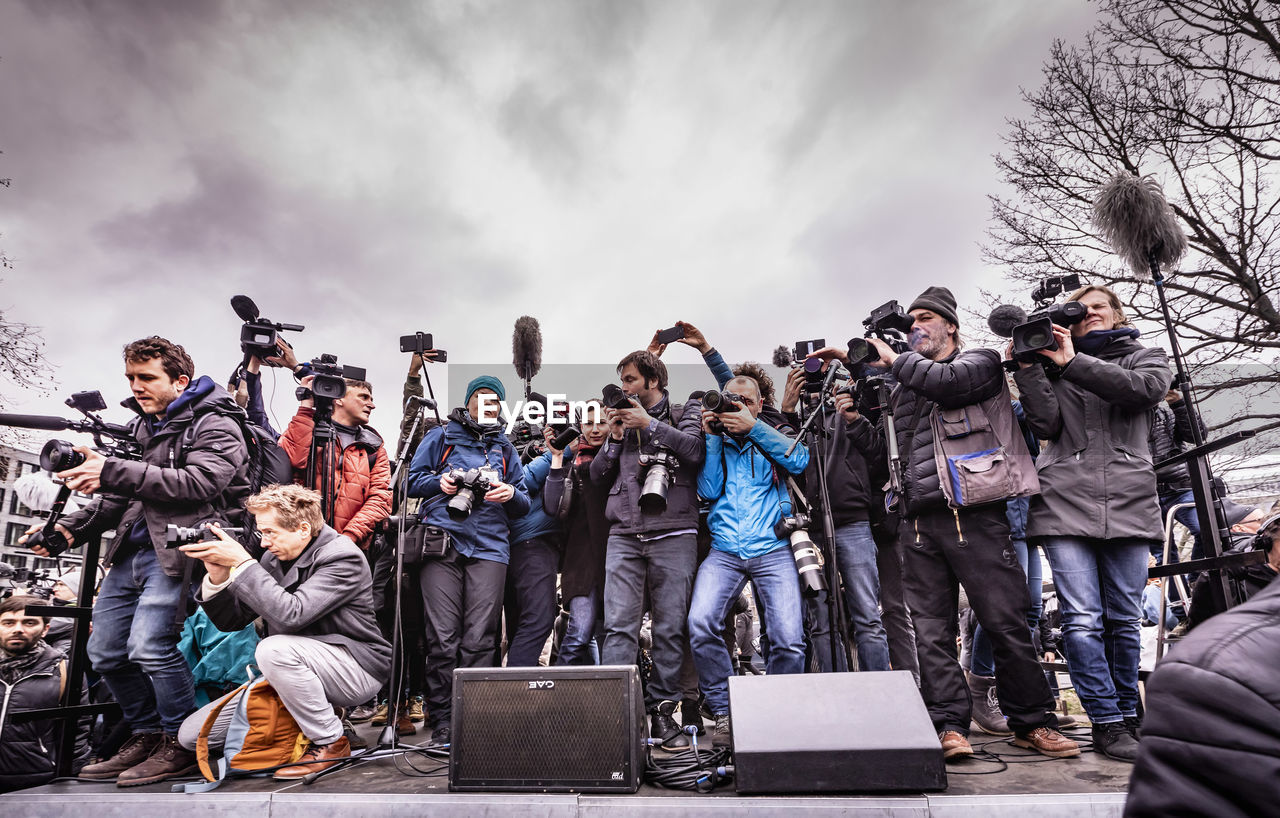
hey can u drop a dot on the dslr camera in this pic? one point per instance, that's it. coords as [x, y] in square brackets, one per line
[655, 480]
[176, 535]
[888, 322]
[471, 483]
[721, 402]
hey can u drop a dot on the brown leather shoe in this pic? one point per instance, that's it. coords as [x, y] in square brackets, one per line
[1048, 742]
[954, 744]
[404, 725]
[321, 758]
[131, 753]
[169, 760]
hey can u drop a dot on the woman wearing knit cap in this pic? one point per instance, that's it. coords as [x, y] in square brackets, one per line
[1098, 511]
[462, 591]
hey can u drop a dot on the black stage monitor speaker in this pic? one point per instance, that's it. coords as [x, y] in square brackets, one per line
[544, 729]
[833, 732]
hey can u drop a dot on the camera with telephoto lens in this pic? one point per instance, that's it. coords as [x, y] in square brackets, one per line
[471, 483]
[888, 322]
[1036, 333]
[176, 535]
[795, 530]
[721, 402]
[330, 381]
[655, 480]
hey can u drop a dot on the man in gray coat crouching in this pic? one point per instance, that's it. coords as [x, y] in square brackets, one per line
[314, 593]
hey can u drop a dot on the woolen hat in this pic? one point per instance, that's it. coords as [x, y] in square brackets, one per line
[938, 300]
[485, 382]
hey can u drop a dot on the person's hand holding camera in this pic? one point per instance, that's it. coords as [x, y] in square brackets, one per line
[285, 359]
[831, 354]
[693, 337]
[87, 477]
[887, 355]
[310, 399]
[708, 418]
[844, 404]
[795, 386]
[737, 422]
[615, 423]
[219, 556]
[1066, 349]
[40, 550]
[634, 417]
[499, 492]
[447, 485]
[1008, 356]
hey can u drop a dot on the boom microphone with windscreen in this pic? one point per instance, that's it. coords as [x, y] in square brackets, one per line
[1134, 218]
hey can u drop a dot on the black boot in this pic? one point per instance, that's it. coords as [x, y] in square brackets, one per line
[663, 728]
[691, 715]
[1114, 741]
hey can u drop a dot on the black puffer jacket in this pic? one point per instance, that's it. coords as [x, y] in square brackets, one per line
[1211, 738]
[1170, 435]
[963, 379]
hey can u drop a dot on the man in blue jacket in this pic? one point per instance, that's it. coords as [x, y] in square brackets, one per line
[462, 591]
[741, 477]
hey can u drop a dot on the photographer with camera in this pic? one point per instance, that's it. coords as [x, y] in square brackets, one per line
[950, 538]
[1097, 512]
[192, 470]
[654, 447]
[360, 467]
[474, 484]
[744, 478]
[313, 592]
[850, 484]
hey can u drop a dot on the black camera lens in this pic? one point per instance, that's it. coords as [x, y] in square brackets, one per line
[812, 365]
[59, 455]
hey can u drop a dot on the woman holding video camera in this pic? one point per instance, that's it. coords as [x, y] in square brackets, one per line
[1097, 513]
[471, 478]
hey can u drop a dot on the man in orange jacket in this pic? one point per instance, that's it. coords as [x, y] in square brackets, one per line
[361, 470]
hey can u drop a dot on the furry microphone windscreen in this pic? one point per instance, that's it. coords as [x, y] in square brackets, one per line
[782, 357]
[1004, 318]
[526, 347]
[1138, 223]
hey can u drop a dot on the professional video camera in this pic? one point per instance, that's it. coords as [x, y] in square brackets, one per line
[471, 483]
[176, 535]
[26, 582]
[798, 356]
[1034, 332]
[888, 322]
[656, 479]
[795, 530]
[258, 335]
[721, 402]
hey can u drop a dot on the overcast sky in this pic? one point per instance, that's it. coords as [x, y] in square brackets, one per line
[768, 171]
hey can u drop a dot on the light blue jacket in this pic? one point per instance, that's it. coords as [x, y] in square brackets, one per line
[746, 494]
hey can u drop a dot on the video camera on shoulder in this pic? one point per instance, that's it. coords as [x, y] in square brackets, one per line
[888, 322]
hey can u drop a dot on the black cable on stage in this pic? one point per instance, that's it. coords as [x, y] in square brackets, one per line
[693, 769]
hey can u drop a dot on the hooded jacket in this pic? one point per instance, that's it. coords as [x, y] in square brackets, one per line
[464, 444]
[748, 496]
[361, 474]
[326, 594]
[1096, 478]
[618, 465]
[176, 482]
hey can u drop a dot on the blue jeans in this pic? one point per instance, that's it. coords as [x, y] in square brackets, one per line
[665, 568]
[134, 644]
[856, 556]
[721, 578]
[983, 663]
[577, 647]
[1099, 584]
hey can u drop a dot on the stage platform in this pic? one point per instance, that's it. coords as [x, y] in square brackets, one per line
[1090, 786]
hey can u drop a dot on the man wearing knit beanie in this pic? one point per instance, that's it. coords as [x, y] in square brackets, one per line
[492, 384]
[943, 546]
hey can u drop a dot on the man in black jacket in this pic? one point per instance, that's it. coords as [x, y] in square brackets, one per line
[650, 549]
[969, 544]
[192, 470]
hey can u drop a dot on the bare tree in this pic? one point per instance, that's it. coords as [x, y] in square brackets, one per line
[1188, 92]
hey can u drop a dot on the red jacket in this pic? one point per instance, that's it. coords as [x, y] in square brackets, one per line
[363, 494]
